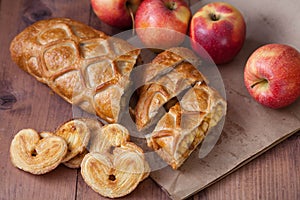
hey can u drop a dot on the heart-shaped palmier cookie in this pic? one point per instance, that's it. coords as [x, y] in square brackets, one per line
[113, 175]
[116, 166]
[114, 135]
[94, 127]
[37, 153]
[77, 134]
[109, 136]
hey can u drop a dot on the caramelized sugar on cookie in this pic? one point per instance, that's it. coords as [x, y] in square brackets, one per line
[110, 136]
[77, 135]
[115, 166]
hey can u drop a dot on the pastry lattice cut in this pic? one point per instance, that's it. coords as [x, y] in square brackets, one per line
[168, 75]
[183, 128]
[186, 123]
[84, 66]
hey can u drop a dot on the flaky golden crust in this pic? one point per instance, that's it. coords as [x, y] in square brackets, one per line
[77, 134]
[31, 150]
[184, 126]
[108, 137]
[166, 61]
[161, 86]
[37, 153]
[114, 167]
[84, 66]
[111, 177]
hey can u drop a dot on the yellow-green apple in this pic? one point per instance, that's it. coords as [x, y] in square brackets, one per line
[217, 29]
[117, 13]
[272, 75]
[162, 23]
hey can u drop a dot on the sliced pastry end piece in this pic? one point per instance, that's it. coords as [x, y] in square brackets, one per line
[187, 123]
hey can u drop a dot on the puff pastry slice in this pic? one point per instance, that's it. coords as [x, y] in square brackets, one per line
[161, 86]
[184, 127]
[167, 60]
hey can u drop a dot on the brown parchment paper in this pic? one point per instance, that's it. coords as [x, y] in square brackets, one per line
[250, 129]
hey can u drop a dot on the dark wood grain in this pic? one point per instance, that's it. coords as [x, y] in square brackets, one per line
[26, 103]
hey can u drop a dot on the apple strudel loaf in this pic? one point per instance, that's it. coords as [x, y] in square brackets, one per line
[84, 66]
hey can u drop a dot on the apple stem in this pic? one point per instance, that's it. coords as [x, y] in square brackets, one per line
[132, 19]
[171, 5]
[214, 17]
[259, 82]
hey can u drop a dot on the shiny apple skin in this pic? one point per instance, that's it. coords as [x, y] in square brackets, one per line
[160, 27]
[272, 75]
[116, 13]
[221, 38]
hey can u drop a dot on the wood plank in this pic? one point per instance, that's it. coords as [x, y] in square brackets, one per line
[31, 104]
[273, 175]
[146, 190]
[24, 103]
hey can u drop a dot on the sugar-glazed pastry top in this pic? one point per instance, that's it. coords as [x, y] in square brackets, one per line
[84, 66]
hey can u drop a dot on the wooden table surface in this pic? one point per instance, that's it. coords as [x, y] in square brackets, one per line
[25, 103]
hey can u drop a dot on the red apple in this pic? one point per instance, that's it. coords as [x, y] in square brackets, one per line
[162, 23]
[117, 13]
[272, 75]
[217, 29]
